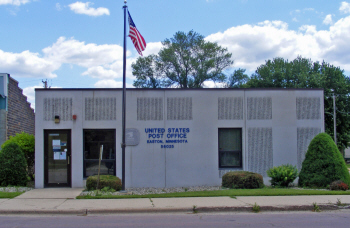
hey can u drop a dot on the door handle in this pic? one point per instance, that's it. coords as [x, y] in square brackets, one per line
[68, 159]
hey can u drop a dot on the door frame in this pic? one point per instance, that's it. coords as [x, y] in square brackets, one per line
[69, 158]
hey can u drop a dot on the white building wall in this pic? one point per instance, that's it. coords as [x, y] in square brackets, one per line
[272, 134]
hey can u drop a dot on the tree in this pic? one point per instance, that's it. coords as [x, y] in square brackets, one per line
[12, 166]
[237, 79]
[27, 144]
[185, 61]
[303, 73]
[323, 163]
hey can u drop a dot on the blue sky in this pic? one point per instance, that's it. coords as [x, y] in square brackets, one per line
[79, 43]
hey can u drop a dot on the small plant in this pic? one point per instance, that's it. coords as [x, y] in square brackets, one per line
[242, 180]
[282, 176]
[185, 189]
[256, 208]
[110, 181]
[339, 203]
[108, 189]
[194, 209]
[316, 207]
[338, 185]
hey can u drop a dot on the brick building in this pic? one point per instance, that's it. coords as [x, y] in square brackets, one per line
[16, 115]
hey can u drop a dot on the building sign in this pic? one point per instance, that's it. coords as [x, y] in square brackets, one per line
[132, 137]
[167, 137]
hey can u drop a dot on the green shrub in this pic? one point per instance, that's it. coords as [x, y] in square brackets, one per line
[27, 144]
[109, 181]
[12, 166]
[323, 164]
[242, 179]
[282, 176]
[338, 185]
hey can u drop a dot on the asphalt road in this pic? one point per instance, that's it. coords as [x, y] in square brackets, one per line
[287, 219]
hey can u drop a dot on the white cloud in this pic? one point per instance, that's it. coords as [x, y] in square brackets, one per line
[13, 2]
[328, 20]
[84, 8]
[58, 6]
[72, 51]
[251, 45]
[101, 72]
[27, 64]
[152, 48]
[111, 84]
[344, 7]
[30, 93]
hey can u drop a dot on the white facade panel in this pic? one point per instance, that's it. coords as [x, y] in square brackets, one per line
[186, 123]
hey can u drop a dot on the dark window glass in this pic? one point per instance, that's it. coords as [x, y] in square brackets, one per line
[93, 140]
[230, 147]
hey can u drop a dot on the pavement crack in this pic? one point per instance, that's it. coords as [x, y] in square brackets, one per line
[60, 204]
[151, 202]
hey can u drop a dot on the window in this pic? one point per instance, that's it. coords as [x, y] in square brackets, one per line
[230, 147]
[93, 140]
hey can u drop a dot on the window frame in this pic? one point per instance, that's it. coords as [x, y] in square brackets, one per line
[240, 152]
[99, 142]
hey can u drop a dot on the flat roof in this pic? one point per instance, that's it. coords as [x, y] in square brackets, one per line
[162, 89]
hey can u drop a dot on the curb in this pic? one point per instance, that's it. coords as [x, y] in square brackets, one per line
[172, 210]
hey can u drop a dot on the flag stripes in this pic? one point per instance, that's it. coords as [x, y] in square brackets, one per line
[136, 38]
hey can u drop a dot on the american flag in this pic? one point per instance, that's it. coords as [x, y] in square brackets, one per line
[138, 41]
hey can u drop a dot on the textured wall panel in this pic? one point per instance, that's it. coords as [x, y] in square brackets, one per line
[305, 135]
[149, 108]
[58, 106]
[259, 108]
[230, 108]
[179, 108]
[308, 108]
[260, 150]
[100, 108]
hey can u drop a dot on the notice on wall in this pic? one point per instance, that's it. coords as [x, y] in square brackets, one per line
[63, 156]
[59, 155]
[56, 155]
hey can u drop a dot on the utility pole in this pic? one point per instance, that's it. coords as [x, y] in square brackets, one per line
[334, 120]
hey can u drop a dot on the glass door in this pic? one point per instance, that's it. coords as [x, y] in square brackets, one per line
[57, 155]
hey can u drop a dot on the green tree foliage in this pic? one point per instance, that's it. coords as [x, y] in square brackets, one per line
[12, 166]
[185, 61]
[27, 144]
[323, 163]
[303, 73]
[237, 79]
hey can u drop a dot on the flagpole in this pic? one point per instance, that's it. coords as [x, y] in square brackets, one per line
[124, 100]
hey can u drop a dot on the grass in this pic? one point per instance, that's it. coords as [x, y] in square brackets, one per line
[267, 191]
[9, 195]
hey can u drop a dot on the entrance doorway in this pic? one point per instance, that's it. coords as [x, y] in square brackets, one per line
[57, 158]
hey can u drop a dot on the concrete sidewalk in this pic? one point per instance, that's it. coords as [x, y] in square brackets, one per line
[61, 201]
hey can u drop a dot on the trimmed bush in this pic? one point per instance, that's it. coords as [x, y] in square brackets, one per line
[282, 176]
[27, 144]
[109, 181]
[323, 164]
[13, 166]
[338, 185]
[242, 179]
